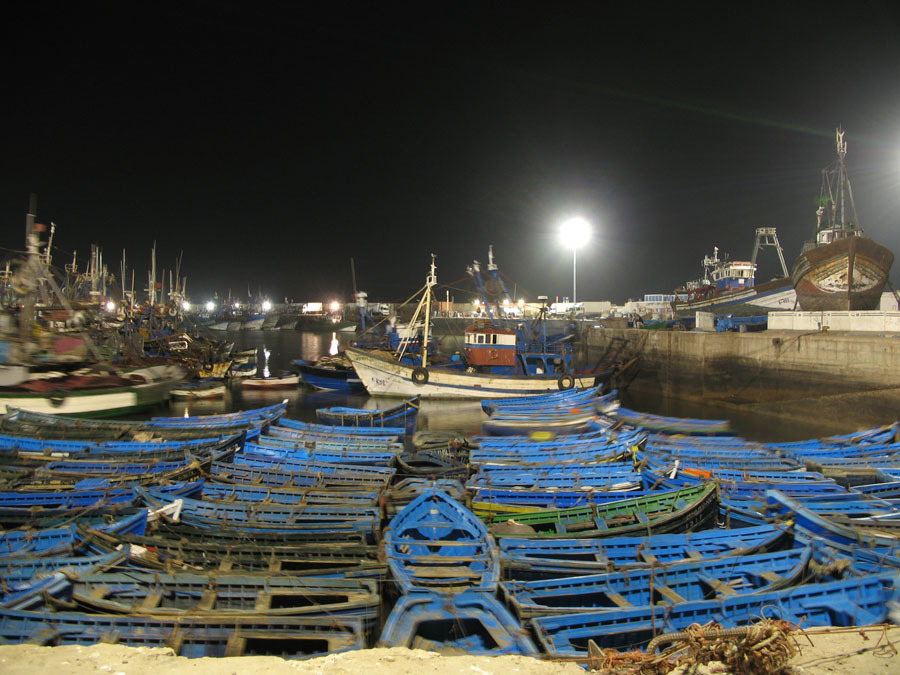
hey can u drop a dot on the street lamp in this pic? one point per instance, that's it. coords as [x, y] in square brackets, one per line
[574, 233]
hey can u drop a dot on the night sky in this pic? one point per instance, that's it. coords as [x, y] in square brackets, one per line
[273, 142]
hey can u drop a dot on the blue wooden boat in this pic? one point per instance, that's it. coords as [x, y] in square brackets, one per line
[19, 570]
[32, 594]
[553, 400]
[403, 415]
[160, 594]
[542, 559]
[184, 547]
[392, 433]
[337, 456]
[46, 542]
[848, 602]
[191, 636]
[471, 621]
[560, 423]
[329, 374]
[253, 493]
[437, 544]
[246, 474]
[406, 489]
[331, 442]
[671, 425]
[658, 585]
[563, 476]
[821, 527]
[355, 521]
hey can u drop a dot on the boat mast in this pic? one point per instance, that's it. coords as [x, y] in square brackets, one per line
[430, 282]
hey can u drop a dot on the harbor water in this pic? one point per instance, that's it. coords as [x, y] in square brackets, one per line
[276, 349]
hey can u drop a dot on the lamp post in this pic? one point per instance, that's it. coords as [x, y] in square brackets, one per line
[574, 233]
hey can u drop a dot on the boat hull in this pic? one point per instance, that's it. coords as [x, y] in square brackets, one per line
[99, 402]
[386, 377]
[847, 274]
[757, 300]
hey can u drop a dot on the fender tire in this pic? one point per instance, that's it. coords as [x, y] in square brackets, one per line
[419, 375]
[57, 397]
[565, 382]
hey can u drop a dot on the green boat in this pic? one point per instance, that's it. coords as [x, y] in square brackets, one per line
[681, 510]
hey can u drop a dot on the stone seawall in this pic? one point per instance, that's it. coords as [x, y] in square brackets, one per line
[779, 372]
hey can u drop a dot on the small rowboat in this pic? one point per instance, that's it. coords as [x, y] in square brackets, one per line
[436, 544]
[404, 414]
[285, 381]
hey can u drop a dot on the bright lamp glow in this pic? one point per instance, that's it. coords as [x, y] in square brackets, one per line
[335, 306]
[210, 306]
[186, 306]
[237, 306]
[266, 306]
[521, 302]
[110, 306]
[575, 232]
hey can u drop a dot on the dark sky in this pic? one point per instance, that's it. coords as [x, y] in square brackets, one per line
[273, 142]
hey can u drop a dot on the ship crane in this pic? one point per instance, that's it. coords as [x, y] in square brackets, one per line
[766, 236]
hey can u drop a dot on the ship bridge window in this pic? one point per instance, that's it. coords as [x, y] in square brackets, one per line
[494, 339]
[481, 339]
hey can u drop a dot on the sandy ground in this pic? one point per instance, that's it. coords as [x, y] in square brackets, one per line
[870, 651]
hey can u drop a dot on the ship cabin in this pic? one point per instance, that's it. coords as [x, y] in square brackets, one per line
[734, 275]
[491, 349]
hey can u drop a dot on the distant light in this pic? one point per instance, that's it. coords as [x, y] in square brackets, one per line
[110, 306]
[476, 302]
[575, 232]
[521, 302]
[335, 306]
[210, 306]
[237, 306]
[266, 306]
[186, 306]
[506, 302]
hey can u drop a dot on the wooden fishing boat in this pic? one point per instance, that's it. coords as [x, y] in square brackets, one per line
[284, 381]
[94, 395]
[330, 373]
[848, 602]
[554, 400]
[472, 621]
[181, 547]
[568, 422]
[296, 425]
[437, 544]
[658, 585]
[672, 511]
[403, 414]
[218, 634]
[347, 479]
[525, 558]
[21, 570]
[181, 593]
[672, 425]
[840, 269]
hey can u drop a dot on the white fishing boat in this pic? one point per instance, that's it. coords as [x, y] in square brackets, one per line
[385, 374]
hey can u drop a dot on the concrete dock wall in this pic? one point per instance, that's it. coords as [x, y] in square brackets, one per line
[784, 372]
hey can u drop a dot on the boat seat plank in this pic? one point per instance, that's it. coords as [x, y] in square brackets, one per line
[99, 592]
[771, 577]
[207, 600]
[717, 585]
[668, 593]
[225, 565]
[647, 557]
[263, 602]
[235, 645]
[151, 601]
[618, 599]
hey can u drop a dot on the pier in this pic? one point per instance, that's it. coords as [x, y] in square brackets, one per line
[850, 378]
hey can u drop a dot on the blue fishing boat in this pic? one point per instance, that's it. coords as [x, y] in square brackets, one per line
[658, 584]
[525, 558]
[329, 373]
[218, 634]
[403, 414]
[471, 621]
[437, 544]
[848, 602]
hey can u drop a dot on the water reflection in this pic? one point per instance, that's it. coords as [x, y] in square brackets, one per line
[280, 347]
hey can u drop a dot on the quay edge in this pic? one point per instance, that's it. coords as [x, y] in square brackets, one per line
[848, 380]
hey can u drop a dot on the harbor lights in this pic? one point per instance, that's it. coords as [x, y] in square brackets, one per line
[575, 233]
[266, 306]
[210, 306]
